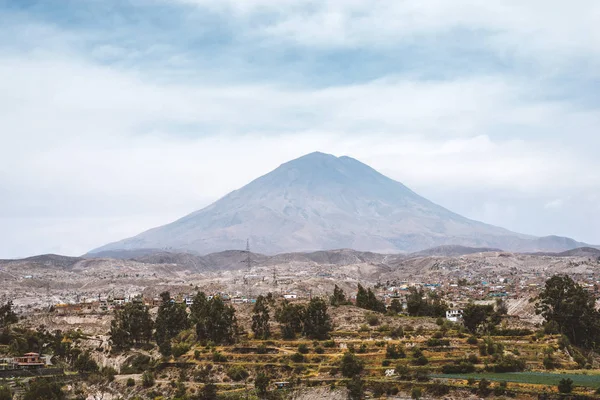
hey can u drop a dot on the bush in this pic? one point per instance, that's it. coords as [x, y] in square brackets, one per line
[416, 393]
[329, 343]
[297, 357]
[459, 367]
[148, 379]
[130, 382]
[421, 360]
[484, 387]
[218, 357]
[472, 340]
[303, 348]
[438, 389]
[565, 385]
[136, 364]
[261, 349]
[403, 372]
[351, 365]
[180, 349]
[319, 350]
[508, 363]
[237, 373]
[372, 319]
[394, 351]
[434, 342]
[5, 393]
[397, 332]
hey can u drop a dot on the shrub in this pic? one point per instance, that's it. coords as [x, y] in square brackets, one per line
[421, 360]
[148, 379]
[351, 365]
[565, 385]
[261, 349]
[372, 319]
[508, 363]
[297, 357]
[472, 358]
[329, 343]
[484, 387]
[438, 389]
[472, 340]
[416, 393]
[180, 349]
[218, 357]
[394, 351]
[386, 363]
[237, 373]
[303, 348]
[403, 371]
[319, 350]
[434, 342]
[397, 332]
[459, 367]
[130, 382]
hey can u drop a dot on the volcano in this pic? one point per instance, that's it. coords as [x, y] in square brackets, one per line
[323, 202]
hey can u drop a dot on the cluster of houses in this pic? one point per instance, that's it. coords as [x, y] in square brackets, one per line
[110, 303]
[26, 361]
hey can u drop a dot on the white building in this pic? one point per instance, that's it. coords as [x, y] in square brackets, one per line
[454, 315]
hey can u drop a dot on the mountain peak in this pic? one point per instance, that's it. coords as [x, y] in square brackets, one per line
[322, 202]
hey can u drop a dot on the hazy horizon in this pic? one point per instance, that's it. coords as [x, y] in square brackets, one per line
[120, 116]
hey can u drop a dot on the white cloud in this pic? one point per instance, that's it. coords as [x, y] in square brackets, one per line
[514, 28]
[94, 152]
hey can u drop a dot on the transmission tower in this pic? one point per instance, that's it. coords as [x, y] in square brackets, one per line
[248, 260]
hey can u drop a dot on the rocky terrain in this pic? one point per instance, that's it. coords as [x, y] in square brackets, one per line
[44, 281]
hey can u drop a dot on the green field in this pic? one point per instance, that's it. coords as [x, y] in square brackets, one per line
[540, 378]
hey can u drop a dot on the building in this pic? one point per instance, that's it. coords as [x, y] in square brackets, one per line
[454, 315]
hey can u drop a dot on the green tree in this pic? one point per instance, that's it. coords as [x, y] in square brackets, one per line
[338, 298]
[261, 383]
[395, 306]
[130, 326]
[260, 318]
[351, 365]
[171, 319]
[368, 300]
[214, 320]
[572, 309]
[316, 323]
[356, 388]
[290, 317]
[5, 393]
[476, 316]
[418, 304]
[85, 363]
[7, 315]
[44, 389]
[362, 299]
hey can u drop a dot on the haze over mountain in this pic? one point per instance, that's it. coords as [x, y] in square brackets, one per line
[319, 202]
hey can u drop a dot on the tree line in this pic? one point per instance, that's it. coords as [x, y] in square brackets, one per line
[214, 321]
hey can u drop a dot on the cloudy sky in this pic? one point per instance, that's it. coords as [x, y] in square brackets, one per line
[120, 115]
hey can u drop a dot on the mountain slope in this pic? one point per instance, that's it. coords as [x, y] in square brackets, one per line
[319, 202]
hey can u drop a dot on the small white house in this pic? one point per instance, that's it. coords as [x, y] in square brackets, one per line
[454, 315]
[290, 296]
